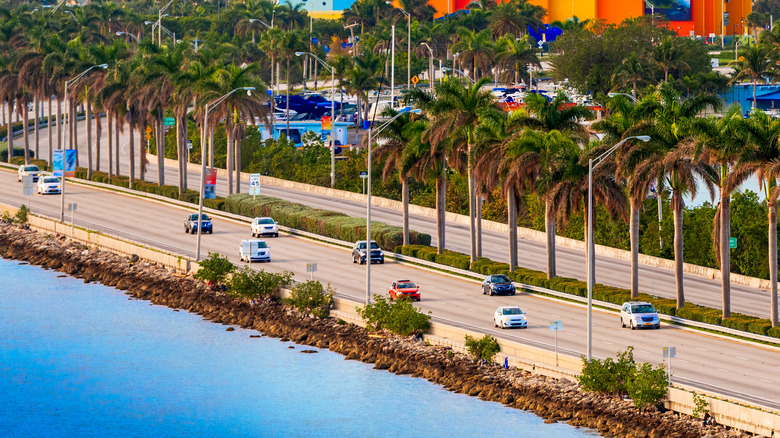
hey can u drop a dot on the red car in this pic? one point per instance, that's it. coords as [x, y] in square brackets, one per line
[404, 289]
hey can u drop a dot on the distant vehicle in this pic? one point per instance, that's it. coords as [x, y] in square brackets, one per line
[264, 226]
[638, 314]
[49, 184]
[191, 224]
[28, 169]
[254, 251]
[497, 284]
[510, 316]
[359, 252]
[404, 289]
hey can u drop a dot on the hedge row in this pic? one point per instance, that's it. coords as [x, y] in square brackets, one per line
[601, 292]
[18, 154]
[322, 222]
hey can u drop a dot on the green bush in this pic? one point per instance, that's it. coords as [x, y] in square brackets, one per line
[21, 215]
[18, 153]
[398, 316]
[484, 348]
[648, 385]
[311, 298]
[609, 375]
[248, 283]
[214, 269]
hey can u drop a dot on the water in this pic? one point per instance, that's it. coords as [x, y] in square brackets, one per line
[83, 360]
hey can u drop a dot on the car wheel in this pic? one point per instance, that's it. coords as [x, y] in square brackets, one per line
[495, 324]
[354, 259]
[276, 234]
[502, 325]
[361, 261]
[186, 230]
[382, 262]
[513, 294]
[658, 326]
[633, 327]
[211, 231]
[491, 292]
[622, 324]
[253, 234]
[483, 291]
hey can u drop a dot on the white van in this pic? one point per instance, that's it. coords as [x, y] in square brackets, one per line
[254, 250]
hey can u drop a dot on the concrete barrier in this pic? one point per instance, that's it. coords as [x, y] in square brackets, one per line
[725, 412]
[522, 233]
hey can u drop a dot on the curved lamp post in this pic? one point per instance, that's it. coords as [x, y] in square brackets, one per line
[332, 115]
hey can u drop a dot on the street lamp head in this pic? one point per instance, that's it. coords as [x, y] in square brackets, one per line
[249, 91]
[299, 53]
[446, 69]
[120, 33]
[103, 66]
[456, 55]
[148, 23]
[644, 138]
[415, 111]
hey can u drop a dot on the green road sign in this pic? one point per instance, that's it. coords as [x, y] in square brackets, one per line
[169, 121]
[733, 242]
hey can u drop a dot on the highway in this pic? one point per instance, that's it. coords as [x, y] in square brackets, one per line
[531, 254]
[742, 370]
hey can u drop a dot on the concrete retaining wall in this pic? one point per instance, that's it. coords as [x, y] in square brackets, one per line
[522, 233]
[727, 413]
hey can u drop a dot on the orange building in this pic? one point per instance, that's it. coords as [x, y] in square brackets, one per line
[703, 17]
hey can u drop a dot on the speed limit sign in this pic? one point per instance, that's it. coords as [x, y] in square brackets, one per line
[254, 184]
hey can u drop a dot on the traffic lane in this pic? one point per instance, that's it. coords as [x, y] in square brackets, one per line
[531, 254]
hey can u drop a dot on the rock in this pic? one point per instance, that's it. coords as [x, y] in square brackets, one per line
[230, 329]
[308, 351]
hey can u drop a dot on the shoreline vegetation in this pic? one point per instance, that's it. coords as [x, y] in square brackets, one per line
[552, 399]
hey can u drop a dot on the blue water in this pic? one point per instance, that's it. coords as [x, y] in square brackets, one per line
[85, 360]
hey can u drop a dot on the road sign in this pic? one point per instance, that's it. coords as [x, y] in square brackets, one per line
[732, 242]
[254, 184]
[27, 185]
[555, 326]
[415, 80]
[169, 121]
[311, 267]
[72, 207]
[189, 144]
[670, 352]
[363, 174]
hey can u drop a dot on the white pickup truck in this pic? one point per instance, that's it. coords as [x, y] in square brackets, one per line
[254, 251]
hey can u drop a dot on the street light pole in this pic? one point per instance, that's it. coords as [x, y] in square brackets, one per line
[203, 160]
[591, 246]
[128, 33]
[368, 197]
[432, 78]
[460, 72]
[67, 127]
[332, 115]
[408, 44]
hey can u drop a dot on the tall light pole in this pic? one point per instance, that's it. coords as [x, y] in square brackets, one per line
[392, 71]
[332, 115]
[67, 126]
[630, 96]
[128, 33]
[203, 158]
[253, 20]
[368, 199]
[408, 44]
[462, 74]
[159, 22]
[352, 34]
[431, 79]
[591, 246]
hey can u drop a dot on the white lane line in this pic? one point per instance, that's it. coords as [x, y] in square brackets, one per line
[722, 370]
[741, 358]
[765, 380]
[607, 342]
[643, 351]
[461, 293]
[470, 309]
[701, 349]
[665, 340]
[681, 360]
[575, 334]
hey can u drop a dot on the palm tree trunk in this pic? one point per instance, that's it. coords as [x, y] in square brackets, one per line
[405, 202]
[59, 125]
[110, 121]
[512, 223]
[287, 100]
[549, 228]
[25, 122]
[98, 134]
[634, 232]
[229, 166]
[441, 191]
[116, 144]
[141, 152]
[10, 133]
[130, 153]
[88, 117]
[773, 260]
[37, 115]
[472, 193]
[725, 251]
[51, 134]
[237, 142]
[478, 218]
[74, 130]
[160, 147]
[677, 208]
[179, 156]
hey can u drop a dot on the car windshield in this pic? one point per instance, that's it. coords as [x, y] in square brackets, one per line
[406, 285]
[643, 308]
[262, 244]
[512, 311]
[31, 168]
[194, 217]
[500, 279]
[266, 221]
[51, 179]
[362, 245]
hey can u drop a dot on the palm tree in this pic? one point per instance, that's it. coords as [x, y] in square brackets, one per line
[631, 71]
[720, 143]
[546, 117]
[754, 63]
[359, 81]
[476, 50]
[456, 113]
[514, 55]
[289, 44]
[668, 55]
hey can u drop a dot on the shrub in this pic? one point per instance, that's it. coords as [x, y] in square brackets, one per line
[21, 214]
[484, 348]
[609, 375]
[399, 316]
[311, 298]
[18, 153]
[248, 283]
[214, 269]
[648, 385]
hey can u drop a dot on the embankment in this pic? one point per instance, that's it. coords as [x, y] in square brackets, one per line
[552, 399]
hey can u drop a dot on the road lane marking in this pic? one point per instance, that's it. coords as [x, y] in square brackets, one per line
[607, 342]
[701, 349]
[722, 370]
[765, 380]
[741, 358]
[643, 351]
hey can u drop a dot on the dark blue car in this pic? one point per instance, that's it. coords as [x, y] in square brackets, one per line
[497, 285]
[191, 224]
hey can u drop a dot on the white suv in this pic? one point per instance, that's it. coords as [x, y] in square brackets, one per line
[264, 226]
[638, 314]
[28, 169]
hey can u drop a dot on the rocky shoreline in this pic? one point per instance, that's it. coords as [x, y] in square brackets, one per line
[552, 399]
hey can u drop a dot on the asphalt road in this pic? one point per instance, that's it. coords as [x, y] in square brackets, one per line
[531, 254]
[743, 370]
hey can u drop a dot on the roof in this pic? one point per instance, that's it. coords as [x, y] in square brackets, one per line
[772, 95]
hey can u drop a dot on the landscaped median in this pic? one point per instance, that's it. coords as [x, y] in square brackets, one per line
[579, 288]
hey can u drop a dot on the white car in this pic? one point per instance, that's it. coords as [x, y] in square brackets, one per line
[49, 184]
[28, 169]
[510, 316]
[254, 251]
[264, 226]
[638, 314]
